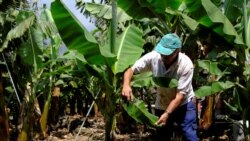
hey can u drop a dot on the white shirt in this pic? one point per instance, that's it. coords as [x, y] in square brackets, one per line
[181, 69]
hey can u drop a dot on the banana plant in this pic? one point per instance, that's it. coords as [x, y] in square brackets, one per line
[33, 55]
[102, 61]
[234, 62]
[23, 21]
[230, 26]
[201, 13]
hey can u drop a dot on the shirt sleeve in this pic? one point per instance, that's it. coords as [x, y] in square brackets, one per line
[143, 64]
[185, 81]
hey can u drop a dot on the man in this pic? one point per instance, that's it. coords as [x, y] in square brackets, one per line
[172, 104]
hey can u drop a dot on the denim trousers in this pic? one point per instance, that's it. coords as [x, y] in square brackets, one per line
[184, 117]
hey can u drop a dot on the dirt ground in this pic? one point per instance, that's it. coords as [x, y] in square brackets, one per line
[93, 130]
[69, 128]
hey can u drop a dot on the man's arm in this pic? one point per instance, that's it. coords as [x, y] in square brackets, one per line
[171, 107]
[127, 90]
[175, 103]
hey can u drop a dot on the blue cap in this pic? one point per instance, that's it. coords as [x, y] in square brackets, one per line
[168, 44]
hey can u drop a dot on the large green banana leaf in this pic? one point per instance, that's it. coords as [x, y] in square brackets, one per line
[134, 9]
[213, 88]
[142, 80]
[190, 23]
[148, 8]
[105, 11]
[128, 48]
[209, 15]
[138, 111]
[147, 80]
[211, 67]
[129, 44]
[30, 51]
[74, 34]
[233, 9]
[24, 21]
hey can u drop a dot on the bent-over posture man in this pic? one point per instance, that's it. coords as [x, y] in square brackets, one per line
[172, 104]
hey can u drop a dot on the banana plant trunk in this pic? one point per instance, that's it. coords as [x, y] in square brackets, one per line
[110, 96]
[109, 117]
[109, 108]
[4, 126]
[27, 120]
[28, 114]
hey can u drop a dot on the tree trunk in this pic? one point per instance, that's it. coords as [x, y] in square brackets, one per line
[55, 104]
[109, 121]
[109, 117]
[4, 126]
[207, 117]
[27, 118]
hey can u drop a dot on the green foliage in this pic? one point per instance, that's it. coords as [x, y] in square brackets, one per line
[24, 21]
[211, 67]
[147, 80]
[235, 105]
[127, 50]
[142, 80]
[165, 82]
[134, 9]
[105, 12]
[212, 88]
[138, 111]
[129, 45]
[28, 54]
[248, 34]
[207, 14]
[75, 36]
[147, 9]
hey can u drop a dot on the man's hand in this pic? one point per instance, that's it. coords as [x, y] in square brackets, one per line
[127, 92]
[163, 119]
[171, 107]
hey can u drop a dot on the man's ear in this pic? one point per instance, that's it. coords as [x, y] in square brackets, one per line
[178, 50]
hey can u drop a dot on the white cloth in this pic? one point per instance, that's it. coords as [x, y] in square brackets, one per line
[181, 69]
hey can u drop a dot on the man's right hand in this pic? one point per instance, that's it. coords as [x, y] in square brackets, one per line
[127, 92]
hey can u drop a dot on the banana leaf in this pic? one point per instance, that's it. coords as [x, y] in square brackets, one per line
[236, 104]
[138, 111]
[129, 48]
[24, 21]
[248, 34]
[105, 11]
[74, 34]
[209, 15]
[213, 88]
[147, 8]
[191, 23]
[147, 80]
[211, 67]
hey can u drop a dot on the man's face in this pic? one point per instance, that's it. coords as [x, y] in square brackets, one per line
[169, 59]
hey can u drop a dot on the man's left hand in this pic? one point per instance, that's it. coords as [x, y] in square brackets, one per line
[163, 119]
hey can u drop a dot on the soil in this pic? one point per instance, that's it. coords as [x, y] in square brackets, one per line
[70, 128]
[93, 130]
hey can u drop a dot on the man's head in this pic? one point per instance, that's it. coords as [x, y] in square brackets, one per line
[168, 44]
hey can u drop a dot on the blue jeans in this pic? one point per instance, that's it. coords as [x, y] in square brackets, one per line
[185, 117]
